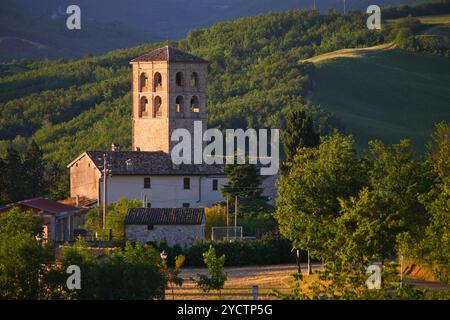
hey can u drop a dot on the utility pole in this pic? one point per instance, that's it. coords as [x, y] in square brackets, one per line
[344, 7]
[401, 271]
[105, 174]
[228, 231]
[235, 216]
[314, 4]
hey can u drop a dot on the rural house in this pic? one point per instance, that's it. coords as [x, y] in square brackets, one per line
[61, 222]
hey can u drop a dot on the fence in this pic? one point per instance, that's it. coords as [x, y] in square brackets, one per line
[228, 293]
[226, 233]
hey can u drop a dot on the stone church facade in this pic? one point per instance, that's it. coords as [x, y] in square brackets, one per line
[168, 92]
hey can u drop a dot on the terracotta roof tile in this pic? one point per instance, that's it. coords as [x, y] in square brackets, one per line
[149, 163]
[165, 216]
[42, 204]
[169, 54]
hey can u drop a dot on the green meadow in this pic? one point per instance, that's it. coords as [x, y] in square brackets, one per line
[386, 94]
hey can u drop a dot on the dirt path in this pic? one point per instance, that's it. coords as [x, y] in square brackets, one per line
[350, 53]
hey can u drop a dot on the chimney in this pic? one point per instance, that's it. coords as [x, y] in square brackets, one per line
[115, 147]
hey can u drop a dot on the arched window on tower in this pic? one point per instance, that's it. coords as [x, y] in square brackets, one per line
[157, 81]
[179, 105]
[143, 108]
[195, 104]
[194, 80]
[157, 107]
[179, 79]
[143, 82]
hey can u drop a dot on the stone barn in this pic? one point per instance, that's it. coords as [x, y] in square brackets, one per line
[180, 226]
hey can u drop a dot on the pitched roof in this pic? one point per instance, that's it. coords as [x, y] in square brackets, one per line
[165, 216]
[42, 204]
[148, 163]
[169, 54]
[83, 202]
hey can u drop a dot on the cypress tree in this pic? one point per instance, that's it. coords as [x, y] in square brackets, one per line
[299, 133]
[12, 177]
[34, 176]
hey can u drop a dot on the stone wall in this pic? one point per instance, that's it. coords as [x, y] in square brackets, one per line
[183, 235]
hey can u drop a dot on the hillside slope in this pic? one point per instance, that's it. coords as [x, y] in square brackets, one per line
[254, 78]
[32, 35]
[385, 94]
[172, 19]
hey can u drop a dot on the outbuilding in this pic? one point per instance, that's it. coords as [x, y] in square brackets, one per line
[181, 226]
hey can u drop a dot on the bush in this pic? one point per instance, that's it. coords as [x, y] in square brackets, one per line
[21, 255]
[268, 250]
[215, 217]
[405, 39]
[131, 273]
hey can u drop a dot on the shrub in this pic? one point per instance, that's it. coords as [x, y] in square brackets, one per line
[268, 250]
[131, 273]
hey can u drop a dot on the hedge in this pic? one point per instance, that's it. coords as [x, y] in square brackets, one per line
[266, 251]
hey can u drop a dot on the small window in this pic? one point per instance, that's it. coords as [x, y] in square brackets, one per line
[195, 104]
[186, 183]
[138, 149]
[150, 227]
[144, 82]
[215, 184]
[144, 105]
[147, 183]
[179, 79]
[157, 81]
[179, 104]
[186, 205]
[157, 107]
[194, 80]
[149, 205]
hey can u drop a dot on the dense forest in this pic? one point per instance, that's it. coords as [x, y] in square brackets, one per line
[256, 75]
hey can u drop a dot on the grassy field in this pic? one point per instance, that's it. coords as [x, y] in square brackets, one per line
[242, 279]
[385, 94]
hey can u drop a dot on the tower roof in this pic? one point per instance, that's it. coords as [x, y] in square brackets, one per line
[169, 54]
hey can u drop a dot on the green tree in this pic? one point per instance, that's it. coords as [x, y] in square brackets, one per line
[434, 247]
[217, 277]
[405, 39]
[244, 181]
[309, 193]
[21, 255]
[34, 166]
[173, 275]
[132, 272]
[13, 171]
[115, 219]
[299, 133]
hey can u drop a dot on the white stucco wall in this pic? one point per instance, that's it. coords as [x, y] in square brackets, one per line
[183, 235]
[166, 191]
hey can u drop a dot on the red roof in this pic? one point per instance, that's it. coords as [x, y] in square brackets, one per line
[42, 204]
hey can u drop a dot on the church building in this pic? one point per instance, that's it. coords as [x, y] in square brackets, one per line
[168, 92]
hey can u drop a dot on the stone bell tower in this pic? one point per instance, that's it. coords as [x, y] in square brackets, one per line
[168, 92]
